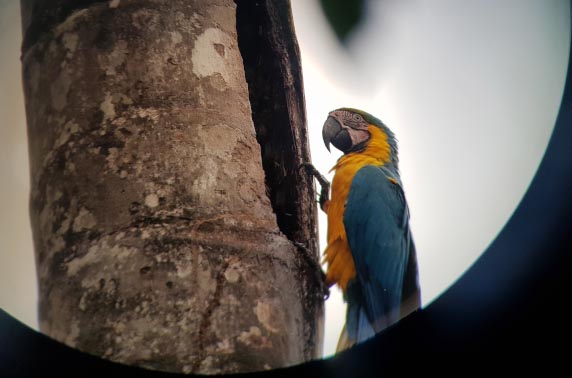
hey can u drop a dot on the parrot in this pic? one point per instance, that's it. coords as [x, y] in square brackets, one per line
[370, 253]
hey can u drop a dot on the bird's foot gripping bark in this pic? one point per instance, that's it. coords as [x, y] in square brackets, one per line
[307, 254]
[324, 198]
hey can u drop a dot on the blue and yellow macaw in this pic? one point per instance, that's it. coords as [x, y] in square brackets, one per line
[370, 253]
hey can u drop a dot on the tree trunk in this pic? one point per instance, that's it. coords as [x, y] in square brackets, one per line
[160, 239]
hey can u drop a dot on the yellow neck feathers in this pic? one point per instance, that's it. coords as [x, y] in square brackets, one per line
[341, 268]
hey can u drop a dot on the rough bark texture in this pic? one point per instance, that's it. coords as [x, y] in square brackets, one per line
[156, 242]
[273, 70]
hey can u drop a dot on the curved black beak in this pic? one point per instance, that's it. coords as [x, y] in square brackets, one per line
[332, 132]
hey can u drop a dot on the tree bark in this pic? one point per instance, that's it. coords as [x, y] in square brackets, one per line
[156, 241]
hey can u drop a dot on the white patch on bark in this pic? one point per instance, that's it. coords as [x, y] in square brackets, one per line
[176, 37]
[204, 185]
[107, 107]
[266, 314]
[57, 194]
[184, 269]
[82, 305]
[215, 52]
[225, 347]
[84, 220]
[120, 97]
[112, 157]
[116, 58]
[207, 284]
[149, 113]
[233, 271]
[114, 3]
[70, 22]
[232, 275]
[70, 42]
[250, 336]
[152, 200]
[94, 255]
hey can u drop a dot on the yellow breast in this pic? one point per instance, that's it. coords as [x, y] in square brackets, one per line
[341, 268]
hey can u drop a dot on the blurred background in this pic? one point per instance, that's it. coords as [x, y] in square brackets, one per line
[471, 89]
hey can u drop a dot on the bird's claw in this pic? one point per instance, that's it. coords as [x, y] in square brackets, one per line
[307, 254]
[324, 197]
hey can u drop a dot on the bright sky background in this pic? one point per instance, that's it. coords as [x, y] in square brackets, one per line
[470, 88]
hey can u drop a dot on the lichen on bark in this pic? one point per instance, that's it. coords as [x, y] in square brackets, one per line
[156, 244]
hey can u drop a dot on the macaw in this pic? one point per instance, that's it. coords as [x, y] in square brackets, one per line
[370, 253]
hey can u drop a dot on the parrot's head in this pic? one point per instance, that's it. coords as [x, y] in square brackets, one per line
[349, 131]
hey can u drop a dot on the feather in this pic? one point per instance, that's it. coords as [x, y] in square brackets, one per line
[376, 223]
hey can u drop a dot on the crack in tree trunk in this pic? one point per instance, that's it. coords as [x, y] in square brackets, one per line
[274, 74]
[206, 320]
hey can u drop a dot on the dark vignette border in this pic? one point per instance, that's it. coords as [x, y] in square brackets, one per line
[507, 313]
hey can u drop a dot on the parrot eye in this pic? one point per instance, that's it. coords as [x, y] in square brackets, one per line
[356, 117]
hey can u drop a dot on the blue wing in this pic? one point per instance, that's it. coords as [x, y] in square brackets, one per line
[376, 219]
